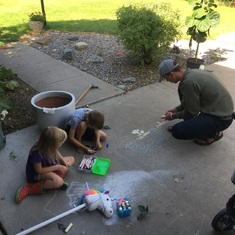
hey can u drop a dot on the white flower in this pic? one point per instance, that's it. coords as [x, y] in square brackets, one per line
[3, 114]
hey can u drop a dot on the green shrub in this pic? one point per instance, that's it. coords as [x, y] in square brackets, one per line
[7, 83]
[147, 31]
[230, 3]
[37, 16]
[172, 24]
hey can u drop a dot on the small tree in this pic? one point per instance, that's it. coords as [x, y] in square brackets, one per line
[144, 33]
[200, 22]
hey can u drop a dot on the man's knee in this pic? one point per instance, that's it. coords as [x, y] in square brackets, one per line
[176, 132]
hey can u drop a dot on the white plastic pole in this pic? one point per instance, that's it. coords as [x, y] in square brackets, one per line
[52, 220]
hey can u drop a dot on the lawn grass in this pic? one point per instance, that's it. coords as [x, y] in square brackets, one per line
[86, 16]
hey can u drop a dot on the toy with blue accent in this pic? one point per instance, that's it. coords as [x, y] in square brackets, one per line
[123, 207]
[90, 200]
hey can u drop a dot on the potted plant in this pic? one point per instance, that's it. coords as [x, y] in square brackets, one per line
[199, 24]
[36, 21]
[3, 114]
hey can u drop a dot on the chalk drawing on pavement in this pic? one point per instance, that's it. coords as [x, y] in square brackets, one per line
[135, 186]
[148, 140]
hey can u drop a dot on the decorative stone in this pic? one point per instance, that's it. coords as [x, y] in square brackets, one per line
[36, 26]
[95, 59]
[122, 87]
[73, 38]
[68, 54]
[43, 41]
[131, 79]
[81, 45]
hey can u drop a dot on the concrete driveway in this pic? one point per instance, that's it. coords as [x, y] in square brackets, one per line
[184, 185]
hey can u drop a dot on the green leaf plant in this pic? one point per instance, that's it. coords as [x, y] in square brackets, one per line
[147, 30]
[143, 212]
[200, 22]
[7, 83]
[37, 16]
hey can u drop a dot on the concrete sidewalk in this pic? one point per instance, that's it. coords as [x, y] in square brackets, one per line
[44, 73]
[183, 184]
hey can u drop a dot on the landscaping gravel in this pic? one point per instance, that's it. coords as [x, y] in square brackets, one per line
[105, 58]
[116, 68]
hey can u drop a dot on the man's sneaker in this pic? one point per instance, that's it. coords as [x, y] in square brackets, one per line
[169, 129]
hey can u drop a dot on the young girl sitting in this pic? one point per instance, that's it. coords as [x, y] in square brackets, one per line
[46, 167]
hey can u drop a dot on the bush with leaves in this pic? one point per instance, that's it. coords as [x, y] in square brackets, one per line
[143, 212]
[37, 16]
[230, 3]
[172, 23]
[147, 31]
[203, 18]
[7, 83]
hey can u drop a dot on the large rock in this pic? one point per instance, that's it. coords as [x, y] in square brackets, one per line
[95, 59]
[43, 41]
[81, 45]
[68, 54]
[73, 38]
[130, 79]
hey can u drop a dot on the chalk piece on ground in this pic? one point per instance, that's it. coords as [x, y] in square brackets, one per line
[68, 228]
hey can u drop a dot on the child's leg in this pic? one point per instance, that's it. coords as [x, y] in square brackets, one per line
[80, 131]
[52, 180]
[100, 137]
[28, 189]
[60, 174]
[103, 136]
[47, 181]
[69, 160]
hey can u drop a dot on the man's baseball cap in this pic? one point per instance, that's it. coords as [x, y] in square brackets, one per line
[166, 66]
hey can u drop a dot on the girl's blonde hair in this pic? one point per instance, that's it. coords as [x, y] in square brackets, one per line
[49, 141]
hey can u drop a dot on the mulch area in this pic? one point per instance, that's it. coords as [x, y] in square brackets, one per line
[22, 114]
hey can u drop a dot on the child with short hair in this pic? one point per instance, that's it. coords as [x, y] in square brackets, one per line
[45, 165]
[86, 123]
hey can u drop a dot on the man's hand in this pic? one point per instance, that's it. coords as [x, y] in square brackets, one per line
[167, 116]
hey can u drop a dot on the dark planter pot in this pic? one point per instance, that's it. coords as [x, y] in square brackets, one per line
[193, 64]
[2, 138]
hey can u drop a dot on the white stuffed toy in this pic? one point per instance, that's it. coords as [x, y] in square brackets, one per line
[98, 200]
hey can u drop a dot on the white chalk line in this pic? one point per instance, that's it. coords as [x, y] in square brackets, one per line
[48, 204]
[149, 139]
[134, 187]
